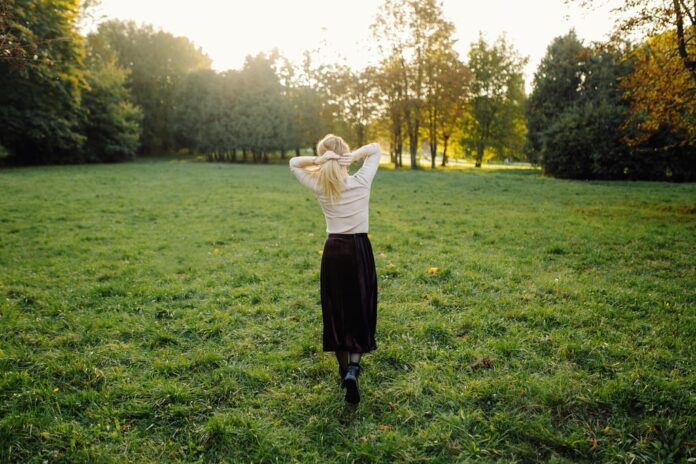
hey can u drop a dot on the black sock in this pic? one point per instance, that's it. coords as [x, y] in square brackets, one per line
[343, 358]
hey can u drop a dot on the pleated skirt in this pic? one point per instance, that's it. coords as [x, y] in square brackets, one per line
[348, 293]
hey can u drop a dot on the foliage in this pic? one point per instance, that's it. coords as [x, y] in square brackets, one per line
[415, 41]
[580, 116]
[263, 109]
[157, 62]
[198, 122]
[40, 117]
[307, 102]
[556, 82]
[661, 92]
[353, 99]
[112, 122]
[495, 116]
[585, 142]
[642, 19]
[18, 44]
[70, 104]
[447, 84]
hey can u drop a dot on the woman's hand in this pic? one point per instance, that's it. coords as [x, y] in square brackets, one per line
[329, 155]
[346, 159]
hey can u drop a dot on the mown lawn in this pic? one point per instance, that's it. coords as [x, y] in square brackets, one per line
[159, 311]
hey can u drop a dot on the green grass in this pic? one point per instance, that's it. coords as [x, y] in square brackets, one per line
[163, 311]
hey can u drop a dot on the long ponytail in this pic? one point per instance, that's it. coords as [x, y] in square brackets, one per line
[330, 174]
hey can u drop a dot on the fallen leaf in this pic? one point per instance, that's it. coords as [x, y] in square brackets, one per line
[484, 361]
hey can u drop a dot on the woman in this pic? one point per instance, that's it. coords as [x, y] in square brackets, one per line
[348, 275]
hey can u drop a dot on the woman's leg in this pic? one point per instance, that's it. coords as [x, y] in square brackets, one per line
[351, 380]
[342, 358]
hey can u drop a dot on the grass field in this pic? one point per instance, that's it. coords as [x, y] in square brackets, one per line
[163, 311]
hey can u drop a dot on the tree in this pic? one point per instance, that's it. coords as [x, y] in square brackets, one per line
[583, 140]
[112, 123]
[495, 118]
[447, 81]
[198, 112]
[263, 110]
[351, 97]
[18, 44]
[647, 18]
[556, 84]
[309, 126]
[457, 83]
[314, 107]
[661, 93]
[392, 103]
[408, 32]
[157, 62]
[592, 114]
[40, 118]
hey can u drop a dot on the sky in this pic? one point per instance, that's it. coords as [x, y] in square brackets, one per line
[229, 30]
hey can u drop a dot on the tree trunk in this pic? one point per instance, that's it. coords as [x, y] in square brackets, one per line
[399, 147]
[690, 65]
[297, 151]
[479, 154]
[244, 154]
[234, 155]
[361, 135]
[392, 152]
[433, 153]
[445, 138]
[432, 137]
[413, 148]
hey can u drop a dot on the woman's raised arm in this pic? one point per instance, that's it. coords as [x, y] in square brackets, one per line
[297, 165]
[372, 154]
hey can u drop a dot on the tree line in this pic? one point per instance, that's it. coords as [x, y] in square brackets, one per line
[148, 92]
[596, 111]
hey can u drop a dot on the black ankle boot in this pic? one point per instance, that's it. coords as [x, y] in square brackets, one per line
[351, 383]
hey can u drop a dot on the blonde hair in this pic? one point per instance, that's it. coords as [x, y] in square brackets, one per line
[330, 174]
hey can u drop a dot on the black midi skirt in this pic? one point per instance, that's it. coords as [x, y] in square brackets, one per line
[349, 293]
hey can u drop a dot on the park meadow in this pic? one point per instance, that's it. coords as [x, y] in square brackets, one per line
[168, 311]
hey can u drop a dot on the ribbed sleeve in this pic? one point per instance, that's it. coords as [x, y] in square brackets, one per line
[369, 168]
[302, 175]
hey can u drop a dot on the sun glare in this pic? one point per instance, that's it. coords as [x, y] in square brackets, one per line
[340, 31]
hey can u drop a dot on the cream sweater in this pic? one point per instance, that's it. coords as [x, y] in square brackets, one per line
[349, 215]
